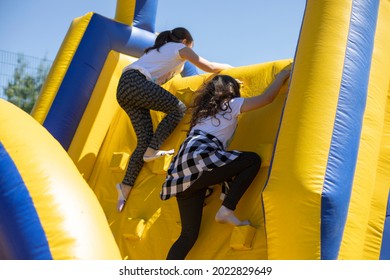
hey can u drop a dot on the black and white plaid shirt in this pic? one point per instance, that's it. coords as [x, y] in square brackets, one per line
[199, 152]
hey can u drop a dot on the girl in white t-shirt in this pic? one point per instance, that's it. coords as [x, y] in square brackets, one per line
[139, 91]
[203, 161]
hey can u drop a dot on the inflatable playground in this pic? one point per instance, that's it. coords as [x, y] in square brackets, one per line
[322, 192]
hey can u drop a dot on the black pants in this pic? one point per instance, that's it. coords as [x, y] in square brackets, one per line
[244, 169]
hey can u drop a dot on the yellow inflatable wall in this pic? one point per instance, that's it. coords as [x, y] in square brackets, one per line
[332, 144]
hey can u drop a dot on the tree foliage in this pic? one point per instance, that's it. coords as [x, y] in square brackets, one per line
[24, 89]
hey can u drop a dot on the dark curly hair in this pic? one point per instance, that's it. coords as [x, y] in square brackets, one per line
[213, 98]
[175, 35]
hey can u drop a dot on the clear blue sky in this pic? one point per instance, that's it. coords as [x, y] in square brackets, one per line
[230, 31]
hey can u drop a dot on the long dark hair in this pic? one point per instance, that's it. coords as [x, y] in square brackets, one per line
[214, 97]
[175, 35]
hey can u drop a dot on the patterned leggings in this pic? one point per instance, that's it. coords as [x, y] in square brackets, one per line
[137, 95]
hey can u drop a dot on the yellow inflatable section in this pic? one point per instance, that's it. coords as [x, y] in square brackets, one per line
[148, 226]
[47, 209]
[328, 188]
[322, 191]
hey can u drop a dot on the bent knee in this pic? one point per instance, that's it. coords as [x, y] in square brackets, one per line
[254, 158]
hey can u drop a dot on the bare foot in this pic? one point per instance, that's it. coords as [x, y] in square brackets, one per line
[152, 154]
[123, 193]
[226, 216]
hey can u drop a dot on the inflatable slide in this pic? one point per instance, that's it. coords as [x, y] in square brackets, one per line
[322, 191]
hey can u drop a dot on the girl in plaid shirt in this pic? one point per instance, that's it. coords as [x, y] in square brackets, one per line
[203, 160]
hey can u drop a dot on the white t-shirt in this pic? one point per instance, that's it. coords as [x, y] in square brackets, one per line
[226, 126]
[160, 66]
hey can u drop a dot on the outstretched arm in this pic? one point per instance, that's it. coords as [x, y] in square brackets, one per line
[269, 94]
[201, 63]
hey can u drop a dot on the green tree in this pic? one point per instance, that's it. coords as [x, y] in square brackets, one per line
[24, 89]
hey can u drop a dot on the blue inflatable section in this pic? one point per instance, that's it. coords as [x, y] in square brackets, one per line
[145, 15]
[348, 124]
[102, 35]
[385, 249]
[21, 234]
